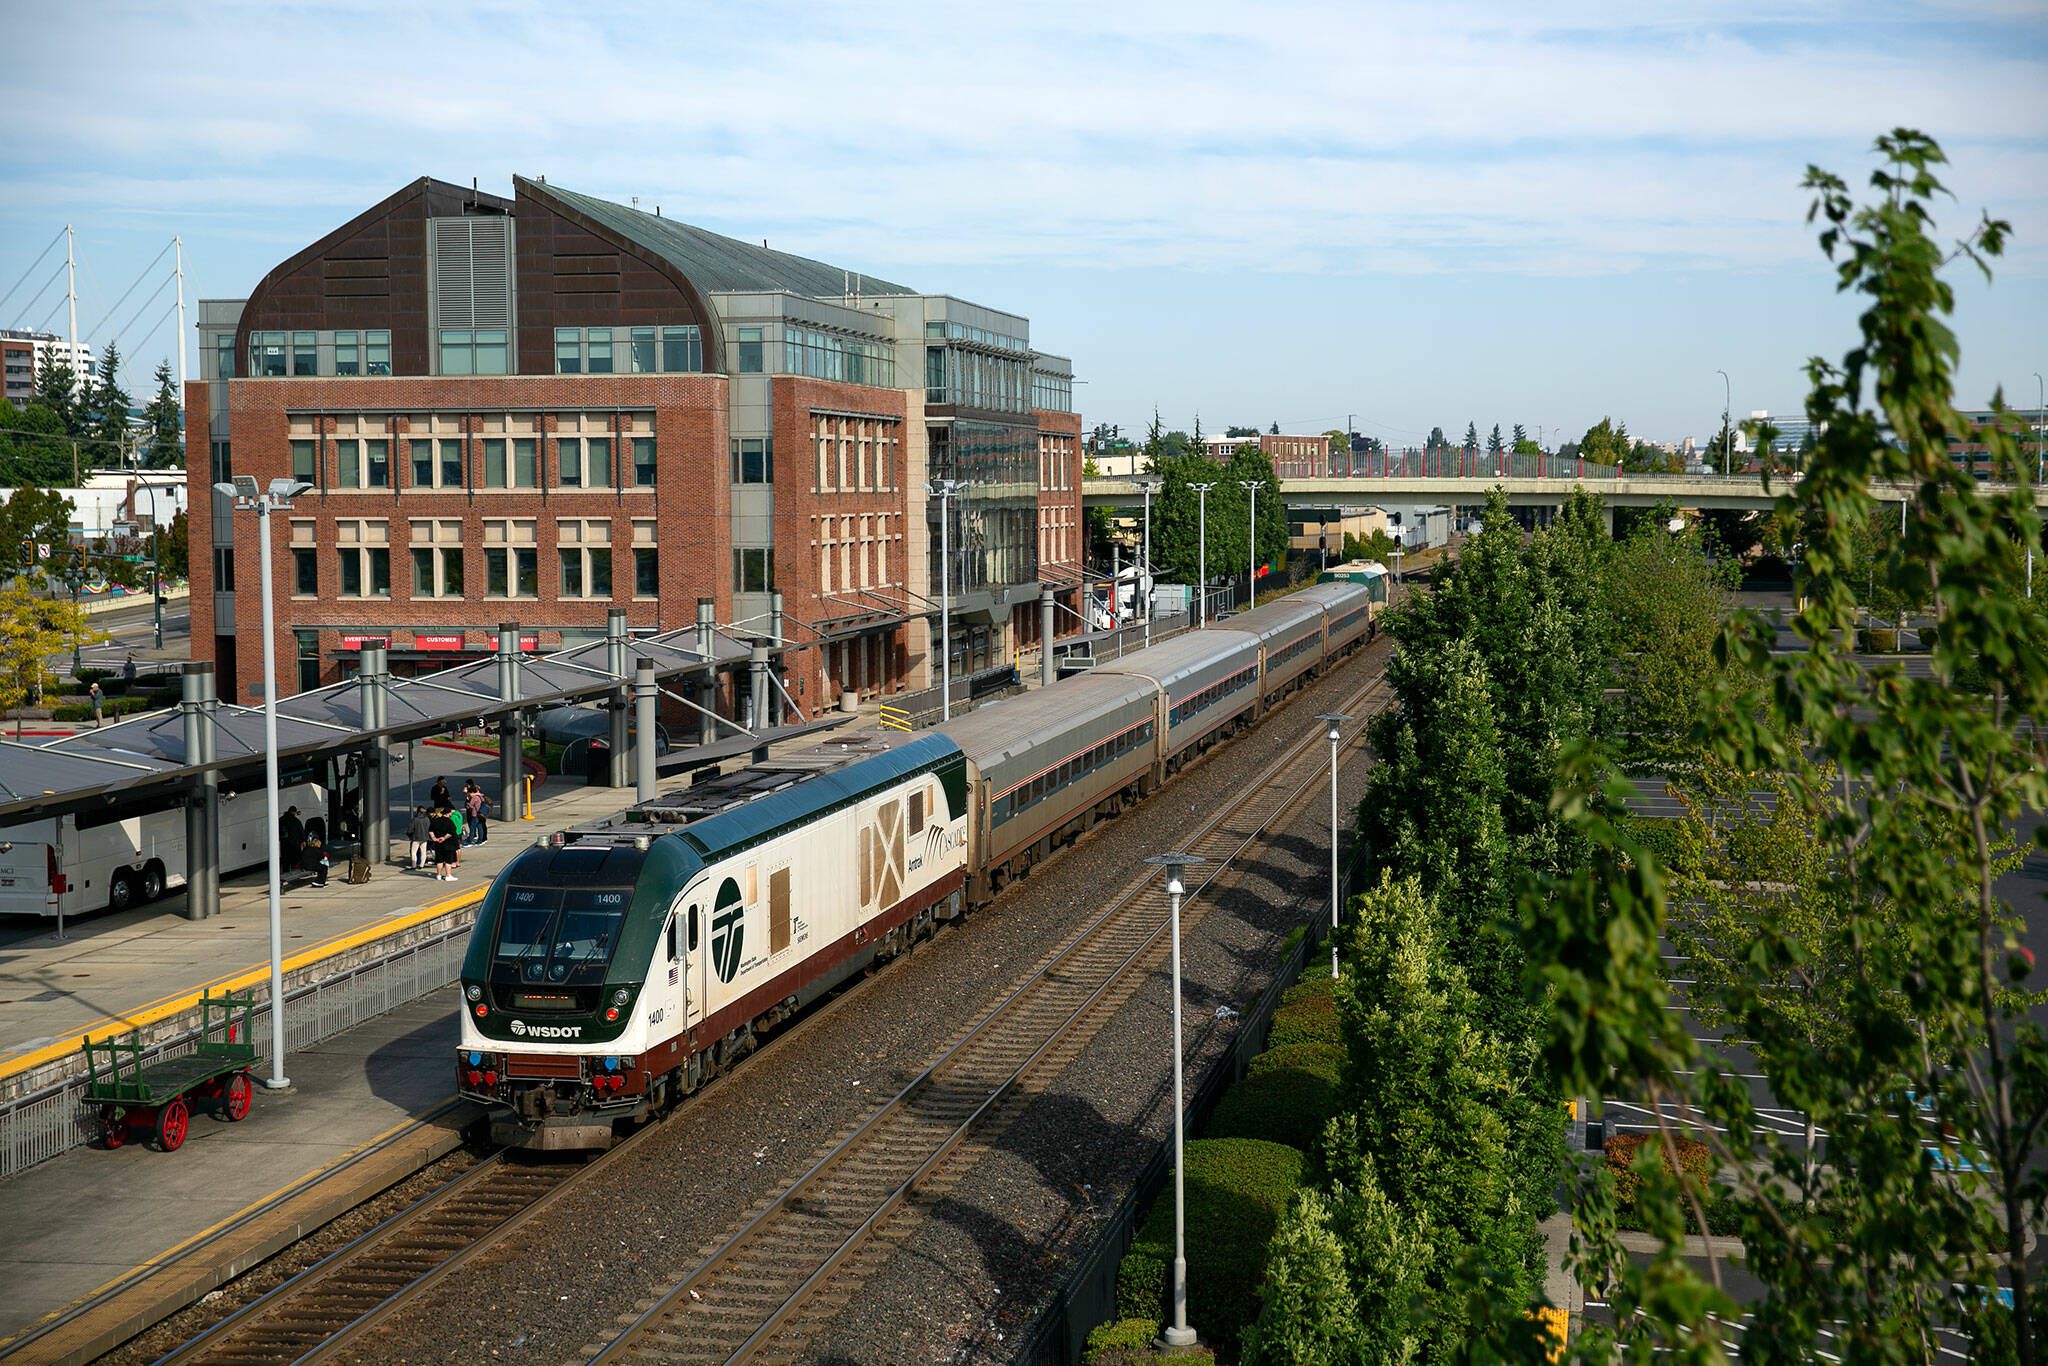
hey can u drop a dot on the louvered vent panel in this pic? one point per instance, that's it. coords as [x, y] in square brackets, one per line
[452, 275]
[490, 271]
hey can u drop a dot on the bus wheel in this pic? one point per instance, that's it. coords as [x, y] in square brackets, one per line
[152, 881]
[121, 892]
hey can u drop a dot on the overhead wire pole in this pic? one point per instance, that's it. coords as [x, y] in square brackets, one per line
[1201, 553]
[71, 294]
[1251, 582]
[178, 242]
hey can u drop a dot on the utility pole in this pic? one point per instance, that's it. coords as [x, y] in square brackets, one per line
[1728, 424]
[1201, 553]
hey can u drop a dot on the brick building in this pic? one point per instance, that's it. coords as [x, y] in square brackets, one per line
[540, 408]
[1292, 456]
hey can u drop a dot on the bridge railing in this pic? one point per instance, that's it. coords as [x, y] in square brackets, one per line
[1461, 464]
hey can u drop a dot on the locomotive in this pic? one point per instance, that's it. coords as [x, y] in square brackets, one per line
[619, 965]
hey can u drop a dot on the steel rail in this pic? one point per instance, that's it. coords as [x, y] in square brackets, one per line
[1135, 903]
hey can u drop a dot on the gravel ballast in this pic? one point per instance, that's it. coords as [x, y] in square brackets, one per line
[960, 1284]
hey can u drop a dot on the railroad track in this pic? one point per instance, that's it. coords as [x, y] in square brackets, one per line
[766, 1289]
[344, 1293]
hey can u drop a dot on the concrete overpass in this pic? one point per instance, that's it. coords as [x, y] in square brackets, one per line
[1704, 492]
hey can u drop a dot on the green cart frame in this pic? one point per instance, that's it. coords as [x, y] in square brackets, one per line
[154, 1101]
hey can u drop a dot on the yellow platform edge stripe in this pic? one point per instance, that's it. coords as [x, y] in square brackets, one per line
[167, 1006]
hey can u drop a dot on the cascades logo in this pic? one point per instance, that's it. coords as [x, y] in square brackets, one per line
[940, 839]
[728, 930]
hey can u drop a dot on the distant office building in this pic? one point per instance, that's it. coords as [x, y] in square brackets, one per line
[540, 408]
[23, 355]
[1292, 456]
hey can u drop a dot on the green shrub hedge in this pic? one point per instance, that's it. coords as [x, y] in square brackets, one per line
[1237, 1189]
[114, 706]
[1287, 1096]
[1308, 1018]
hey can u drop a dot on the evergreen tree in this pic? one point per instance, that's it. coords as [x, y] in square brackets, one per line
[34, 450]
[1471, 436]
[56, 392]
[166, 419]
[107, 415]
[1521, 435]
[1494, 445]
[1437, 440]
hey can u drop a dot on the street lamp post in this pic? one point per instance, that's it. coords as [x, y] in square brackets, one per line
[1728, 422]
[278, 497]
[1251, 581]
[1201, 552]
[1177, 1333]
[945, 489]
[1147, 482]
[1335, 720]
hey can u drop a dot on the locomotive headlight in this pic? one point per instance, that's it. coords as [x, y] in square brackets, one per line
[473, 992]
[621, 996]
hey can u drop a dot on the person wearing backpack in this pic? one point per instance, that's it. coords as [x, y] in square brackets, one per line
[476, 809]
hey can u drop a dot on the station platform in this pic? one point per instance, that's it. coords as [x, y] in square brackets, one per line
[104, 1243]
[145, 969]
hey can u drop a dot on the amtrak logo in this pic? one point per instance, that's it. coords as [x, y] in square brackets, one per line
[728, 930]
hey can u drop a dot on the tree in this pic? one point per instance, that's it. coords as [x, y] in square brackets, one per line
[1340, 448]
[1471, 436]
[165, 417]
[1645, 458]
[1666, 603]
[33, 517]
[106, 415]
[56, 391]
[1605, 443]
[32, 628]
[1252, 432]
[1276, 429]
[1521, 435]
[1437, 440]
[174, 549]
[1930, 1076]
[34, 451]
[1494, 445]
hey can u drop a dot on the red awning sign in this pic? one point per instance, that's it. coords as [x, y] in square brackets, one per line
[358, 642]
[425, 642]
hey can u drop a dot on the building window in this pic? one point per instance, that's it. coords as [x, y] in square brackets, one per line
[436, 464]
[511, 561]
[362, 463]
[305, 353]
[646, 560]
[377, 351]
[363, 555]
[520, 473]
[348, 357]
[305, 572]
[641, 351]
[750, 350]
[585, 552]
[474, 351]
[223, 568]
[224, 355]
[643, 462]
[568, 350]
[597, 351]
[753, 569]
[437, 558]
[306, 461]
[266, 354]
[682, 350]
[583, 462]
[753, 460]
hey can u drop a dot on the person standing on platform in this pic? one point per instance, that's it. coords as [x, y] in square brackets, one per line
[99, 704]
[441, 832]
[418, 831]
[291, 837]
[439, 799]
[476, 827]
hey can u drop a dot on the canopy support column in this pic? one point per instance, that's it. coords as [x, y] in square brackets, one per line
[197, 709]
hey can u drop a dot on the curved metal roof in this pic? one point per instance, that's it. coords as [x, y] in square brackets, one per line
[717, 263]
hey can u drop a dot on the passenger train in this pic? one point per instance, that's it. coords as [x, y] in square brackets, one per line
[617, 966]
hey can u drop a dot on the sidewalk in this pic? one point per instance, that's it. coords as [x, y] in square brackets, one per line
[146, 967]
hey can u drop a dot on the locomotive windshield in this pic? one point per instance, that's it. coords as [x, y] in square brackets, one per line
[548, 936]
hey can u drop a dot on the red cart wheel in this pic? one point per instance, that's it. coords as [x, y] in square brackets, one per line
[235, 1095]
[113, 1130]
[171, 1123]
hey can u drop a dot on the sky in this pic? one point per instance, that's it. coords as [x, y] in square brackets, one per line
[1395, 214]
